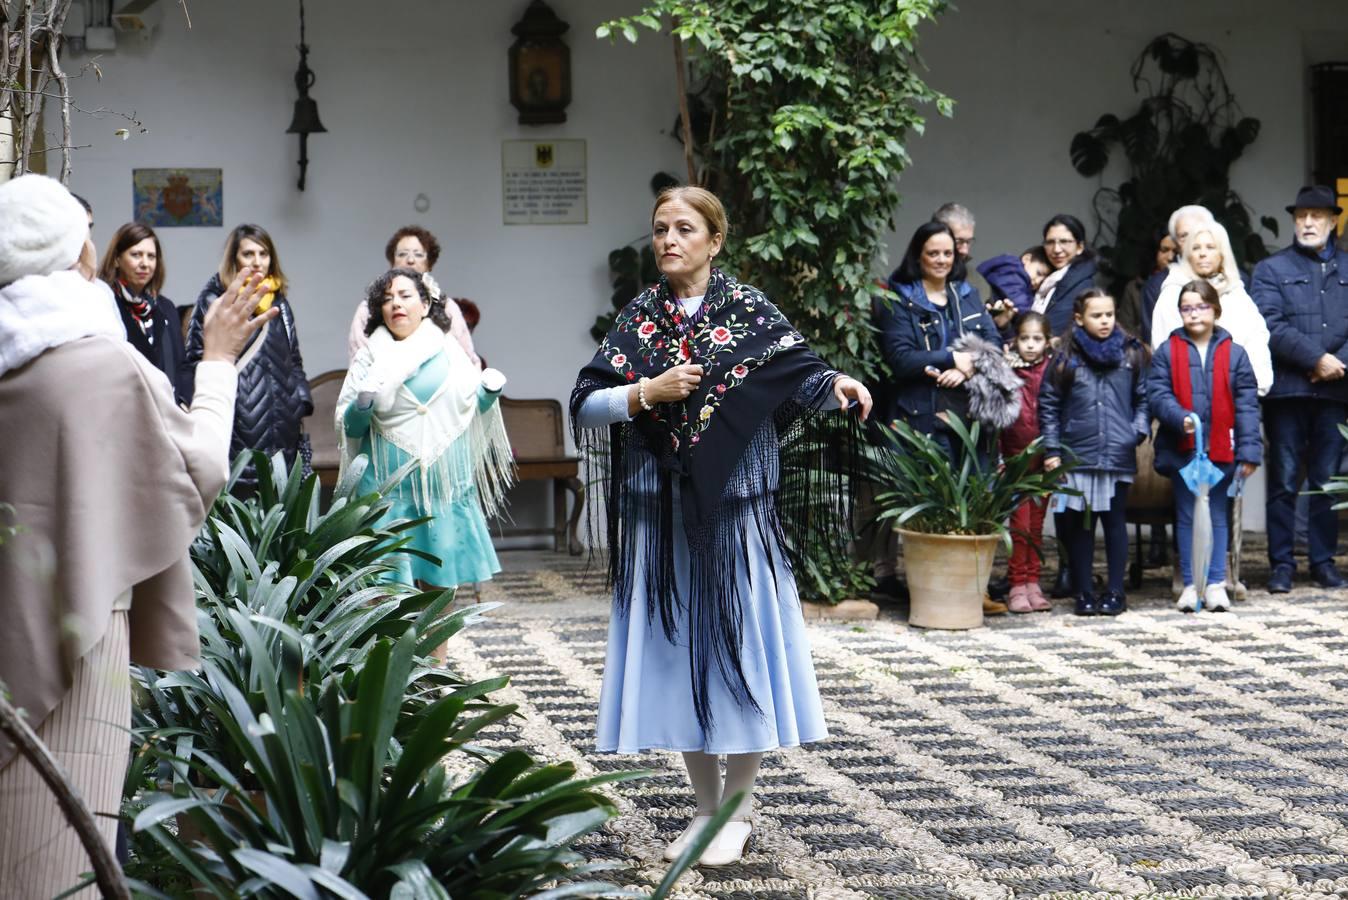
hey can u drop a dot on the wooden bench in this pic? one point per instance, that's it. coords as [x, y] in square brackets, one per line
[319, 426]
[539, 447]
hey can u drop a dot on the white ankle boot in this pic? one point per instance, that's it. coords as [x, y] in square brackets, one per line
[1215, 598]
[1188, 599]
[727, 848]
[680, 843]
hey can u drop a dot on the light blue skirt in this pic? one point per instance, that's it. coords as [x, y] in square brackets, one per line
[1097, 488]
[647, 698]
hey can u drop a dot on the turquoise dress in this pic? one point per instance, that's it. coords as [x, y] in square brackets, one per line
[457, 532]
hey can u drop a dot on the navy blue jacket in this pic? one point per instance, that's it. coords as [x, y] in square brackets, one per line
[1099, 417]
[1080, 277]
[1167, 410]
[1006, 276]
[166, 350]
[914, 335]
[1304, 300]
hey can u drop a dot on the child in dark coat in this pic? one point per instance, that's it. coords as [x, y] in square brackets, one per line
[1201, 372]
[1093, 410]
[1029, 359]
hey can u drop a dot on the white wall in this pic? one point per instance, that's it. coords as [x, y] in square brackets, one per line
[414, 95]
[1026, 76]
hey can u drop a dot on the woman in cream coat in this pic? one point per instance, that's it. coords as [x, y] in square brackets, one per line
[107, 481]
[1206, 253]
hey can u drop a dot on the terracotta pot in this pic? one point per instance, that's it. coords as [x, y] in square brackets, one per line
[947, 577]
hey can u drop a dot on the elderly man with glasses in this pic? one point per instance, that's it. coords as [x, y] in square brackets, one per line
[1302, 292]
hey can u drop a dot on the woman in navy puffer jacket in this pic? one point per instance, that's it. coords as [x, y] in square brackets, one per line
[273, 394]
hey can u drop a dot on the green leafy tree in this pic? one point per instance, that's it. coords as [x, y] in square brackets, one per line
[799, 123]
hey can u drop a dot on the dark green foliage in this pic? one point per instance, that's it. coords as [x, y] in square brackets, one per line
[1179, 145]
[631, 270]
[801, 117]
[319, 751]
[919, 488]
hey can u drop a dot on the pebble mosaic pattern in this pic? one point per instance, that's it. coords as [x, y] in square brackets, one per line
[1153, 755]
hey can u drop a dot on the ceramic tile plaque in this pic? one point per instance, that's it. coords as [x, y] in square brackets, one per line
[165, 198]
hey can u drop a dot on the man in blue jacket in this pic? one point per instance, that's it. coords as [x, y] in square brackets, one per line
[1302, 292]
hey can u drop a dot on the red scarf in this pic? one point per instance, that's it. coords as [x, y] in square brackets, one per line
[1223, 406]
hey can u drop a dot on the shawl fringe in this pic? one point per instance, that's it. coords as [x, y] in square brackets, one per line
[791, 491]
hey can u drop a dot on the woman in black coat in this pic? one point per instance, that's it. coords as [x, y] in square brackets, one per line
[273, 389]
[133, 266]
[1073, 271]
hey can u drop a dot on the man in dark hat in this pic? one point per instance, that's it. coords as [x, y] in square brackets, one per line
[1303, 293]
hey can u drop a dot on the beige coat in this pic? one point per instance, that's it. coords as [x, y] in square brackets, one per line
[110, 482]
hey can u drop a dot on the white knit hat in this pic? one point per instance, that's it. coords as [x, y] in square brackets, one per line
[42, 227]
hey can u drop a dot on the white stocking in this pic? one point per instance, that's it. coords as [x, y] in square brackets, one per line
[704, 771]
[741, 769]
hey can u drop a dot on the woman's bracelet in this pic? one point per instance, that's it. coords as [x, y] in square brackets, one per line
[641, 395]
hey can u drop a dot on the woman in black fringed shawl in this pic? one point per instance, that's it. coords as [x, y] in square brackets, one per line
[695, 388]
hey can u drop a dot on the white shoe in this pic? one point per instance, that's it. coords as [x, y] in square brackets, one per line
[1188, 599]
[1215, 598]
[675, 849]
[727, 848]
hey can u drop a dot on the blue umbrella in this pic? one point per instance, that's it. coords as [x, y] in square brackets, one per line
[1200, 474]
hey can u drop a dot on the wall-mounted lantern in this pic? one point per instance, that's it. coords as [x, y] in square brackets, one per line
[540, 67]
[305, 121]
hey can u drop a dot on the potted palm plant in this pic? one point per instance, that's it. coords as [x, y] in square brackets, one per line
[951, 514]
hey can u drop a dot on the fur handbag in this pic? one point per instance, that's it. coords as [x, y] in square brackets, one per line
[994, 388]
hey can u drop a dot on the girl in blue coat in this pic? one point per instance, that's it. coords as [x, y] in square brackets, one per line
[1093, 410]
[1200, 372]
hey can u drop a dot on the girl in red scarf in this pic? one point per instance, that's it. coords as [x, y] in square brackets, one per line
[1199, 372]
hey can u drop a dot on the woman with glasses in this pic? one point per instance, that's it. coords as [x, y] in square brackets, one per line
[413, 247]
[1206, 255]
[1072, 271]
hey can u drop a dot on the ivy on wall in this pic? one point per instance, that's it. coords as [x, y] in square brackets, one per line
[799, 119]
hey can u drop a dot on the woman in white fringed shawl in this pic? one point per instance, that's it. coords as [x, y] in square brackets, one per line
[412, 393]
[1206, 254]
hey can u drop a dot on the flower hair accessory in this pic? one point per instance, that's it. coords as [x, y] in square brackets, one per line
[431, 287]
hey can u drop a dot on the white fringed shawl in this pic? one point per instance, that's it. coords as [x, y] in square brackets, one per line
[427, 432]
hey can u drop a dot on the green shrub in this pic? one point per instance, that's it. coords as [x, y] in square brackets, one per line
[319, 752]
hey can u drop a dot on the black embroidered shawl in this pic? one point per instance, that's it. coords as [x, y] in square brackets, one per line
[760, 380]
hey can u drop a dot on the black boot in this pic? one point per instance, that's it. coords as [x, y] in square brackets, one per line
[1062, 585]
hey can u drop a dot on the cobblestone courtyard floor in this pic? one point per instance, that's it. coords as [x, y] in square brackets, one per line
[1153, 755]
